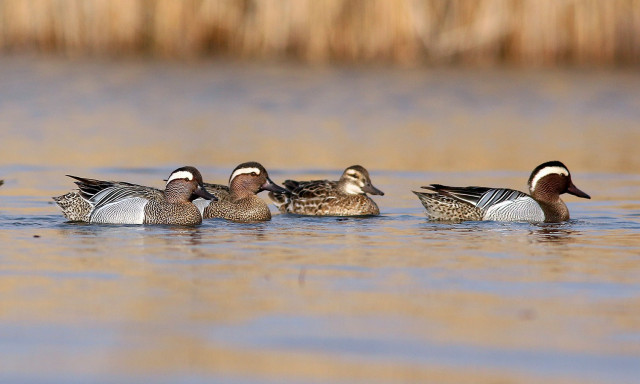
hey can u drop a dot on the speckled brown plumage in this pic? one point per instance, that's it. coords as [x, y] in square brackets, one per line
[112, 202]
[74, 207]
[346, 197]
[162, 212]
[238, 201]
[443, 208]
[246, 209]
[546, 183]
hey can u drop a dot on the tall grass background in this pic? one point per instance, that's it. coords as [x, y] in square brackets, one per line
[525, 32]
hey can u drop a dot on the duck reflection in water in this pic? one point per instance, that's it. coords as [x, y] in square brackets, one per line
[553, 233]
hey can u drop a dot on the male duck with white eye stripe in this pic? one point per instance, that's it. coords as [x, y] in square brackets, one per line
[117, 202]
[345, 197]
[238, 201]
[546, 183]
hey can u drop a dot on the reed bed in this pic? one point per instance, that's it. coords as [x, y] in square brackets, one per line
[527, 32]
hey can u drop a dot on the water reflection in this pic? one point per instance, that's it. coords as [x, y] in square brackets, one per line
[394, 282]
[559, 233]
[401, 278]
[423, 108]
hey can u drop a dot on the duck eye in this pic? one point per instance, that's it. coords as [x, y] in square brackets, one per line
[254, 174]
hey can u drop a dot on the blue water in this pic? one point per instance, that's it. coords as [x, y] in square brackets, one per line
[388, 299]
[518, 300]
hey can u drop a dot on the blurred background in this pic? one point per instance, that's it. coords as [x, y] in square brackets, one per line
[406, 84]
[460, 92]
[408, 32]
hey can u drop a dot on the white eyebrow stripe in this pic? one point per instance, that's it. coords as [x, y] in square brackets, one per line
[243, 171]
[180, 175]
[546, 172]
[352, 172]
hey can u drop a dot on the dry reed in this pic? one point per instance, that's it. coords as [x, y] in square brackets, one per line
[530, 32]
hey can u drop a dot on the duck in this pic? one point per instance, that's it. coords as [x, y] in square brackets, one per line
[543, 203]
[345, 197]
[117, 202]
[238, 201]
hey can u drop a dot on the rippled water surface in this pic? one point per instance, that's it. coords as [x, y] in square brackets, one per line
[388, 299]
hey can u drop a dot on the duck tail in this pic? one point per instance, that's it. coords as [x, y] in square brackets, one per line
[74, 207]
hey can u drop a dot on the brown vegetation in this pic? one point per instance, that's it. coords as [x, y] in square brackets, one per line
[530, 32]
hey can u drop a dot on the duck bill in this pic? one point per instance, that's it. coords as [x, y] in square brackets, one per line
[370, 189]
[201, 192]
[576, 192]
[271, 186]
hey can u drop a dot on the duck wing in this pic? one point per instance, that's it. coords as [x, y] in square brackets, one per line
[481, 197]
[218, 190]
[101, 193]
[313, 189]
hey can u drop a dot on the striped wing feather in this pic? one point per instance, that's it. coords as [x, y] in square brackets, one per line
[102, 193]
[480, 197]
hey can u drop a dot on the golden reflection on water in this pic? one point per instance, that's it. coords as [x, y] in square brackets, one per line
[388, 299]
[157, 292]
[554, 234]
[142, 114]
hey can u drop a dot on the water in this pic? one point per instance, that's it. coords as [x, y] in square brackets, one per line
[389, 299]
